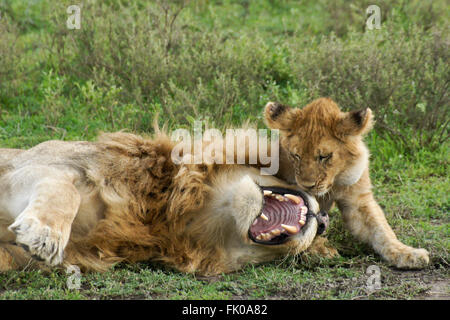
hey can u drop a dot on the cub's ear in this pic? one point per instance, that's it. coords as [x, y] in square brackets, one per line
[279, 116]
[357, 122]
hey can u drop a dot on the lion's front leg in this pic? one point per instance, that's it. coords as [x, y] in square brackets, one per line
[366, 221]
[44, 203]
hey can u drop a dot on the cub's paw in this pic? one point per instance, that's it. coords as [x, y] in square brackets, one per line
[410, 258]
[40, 240]
[322, 248]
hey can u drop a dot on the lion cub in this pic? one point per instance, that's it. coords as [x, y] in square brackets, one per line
[322, 150]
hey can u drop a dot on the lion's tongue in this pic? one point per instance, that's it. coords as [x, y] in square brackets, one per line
[278, 213]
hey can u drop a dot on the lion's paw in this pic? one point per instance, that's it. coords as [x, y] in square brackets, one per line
[40, 240]
[411, 258]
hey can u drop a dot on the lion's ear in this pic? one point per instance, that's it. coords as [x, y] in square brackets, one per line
[279, 116]
[356, 122]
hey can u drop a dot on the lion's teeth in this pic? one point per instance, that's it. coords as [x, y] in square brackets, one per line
[275, 232]
[266, 236]
[302, 223]
[279, 197]
[296, 199]
[290, 229]
[263, 216]
[267, 192]
[303, 210]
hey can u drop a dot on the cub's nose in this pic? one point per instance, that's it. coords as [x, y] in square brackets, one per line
[308, 186]
[274, 109]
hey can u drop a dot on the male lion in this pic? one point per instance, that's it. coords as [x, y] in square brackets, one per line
[122, 198]
[322, 150]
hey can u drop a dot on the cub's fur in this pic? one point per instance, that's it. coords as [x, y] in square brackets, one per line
[322, 150]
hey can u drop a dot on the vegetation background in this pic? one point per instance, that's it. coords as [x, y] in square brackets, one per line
[221, 61]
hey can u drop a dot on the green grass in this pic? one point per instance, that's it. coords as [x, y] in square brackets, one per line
[226, 60]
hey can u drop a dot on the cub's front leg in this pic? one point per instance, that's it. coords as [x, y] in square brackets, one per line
[366, 221]
[43, 203]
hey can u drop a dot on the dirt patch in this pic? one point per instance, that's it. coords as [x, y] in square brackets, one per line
[439, 290]
[436, 283]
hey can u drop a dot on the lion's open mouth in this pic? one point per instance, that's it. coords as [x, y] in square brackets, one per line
[283, 215]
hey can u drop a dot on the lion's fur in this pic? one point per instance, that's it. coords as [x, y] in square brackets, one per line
[321, 129]
[137, 205]
[131, 171]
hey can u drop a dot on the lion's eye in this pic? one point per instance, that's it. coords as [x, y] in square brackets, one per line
[325, 158]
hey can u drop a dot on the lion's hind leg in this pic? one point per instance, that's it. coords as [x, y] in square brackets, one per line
[51, 203]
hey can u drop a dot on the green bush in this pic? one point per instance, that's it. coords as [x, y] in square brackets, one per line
[173, 67]
[403, 76]
[9, 52]
[223, 60]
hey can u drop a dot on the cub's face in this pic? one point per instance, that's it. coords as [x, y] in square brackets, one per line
[323, 144]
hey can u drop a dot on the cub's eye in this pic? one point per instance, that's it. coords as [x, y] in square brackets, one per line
[295, 156]
[325, 158]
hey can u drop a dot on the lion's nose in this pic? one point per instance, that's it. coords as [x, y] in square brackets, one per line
[322, 220]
